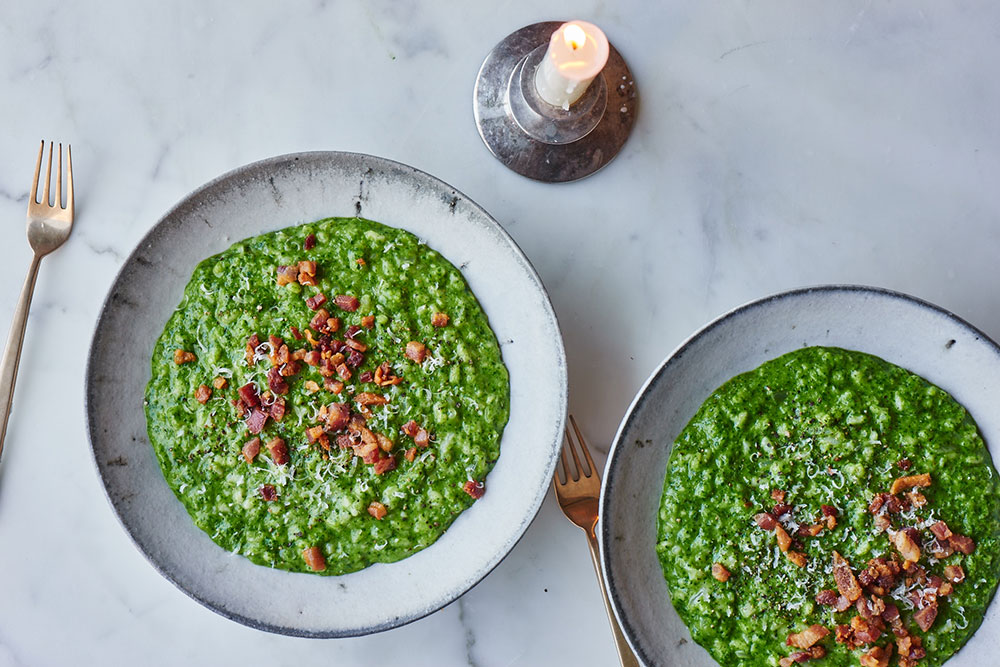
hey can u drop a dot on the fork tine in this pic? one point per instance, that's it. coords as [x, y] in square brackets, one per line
[48, 176]
[578, 469]
[69, 179]
[583, 445]
[563, 465]
[59, 180]
[38, 170]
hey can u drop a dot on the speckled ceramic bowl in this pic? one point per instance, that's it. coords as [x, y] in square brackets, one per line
[905, 331]
[276, 193]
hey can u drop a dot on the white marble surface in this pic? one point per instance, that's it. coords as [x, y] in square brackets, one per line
[778, 145]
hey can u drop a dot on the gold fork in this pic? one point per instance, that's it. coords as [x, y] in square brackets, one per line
[578, 493]
[48, 228]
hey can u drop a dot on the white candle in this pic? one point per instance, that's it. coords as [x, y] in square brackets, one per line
[577, 53]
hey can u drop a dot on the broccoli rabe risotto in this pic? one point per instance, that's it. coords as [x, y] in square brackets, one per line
[830, 508]
[327, 396]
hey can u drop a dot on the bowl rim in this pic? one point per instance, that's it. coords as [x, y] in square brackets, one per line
[642, 395]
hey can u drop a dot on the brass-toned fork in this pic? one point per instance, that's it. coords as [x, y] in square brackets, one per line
[49, 225]
[578, 493]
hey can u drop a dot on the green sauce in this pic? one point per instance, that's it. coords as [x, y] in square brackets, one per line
[828, 426]
[459, 394]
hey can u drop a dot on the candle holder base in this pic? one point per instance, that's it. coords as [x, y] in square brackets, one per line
[538, 140]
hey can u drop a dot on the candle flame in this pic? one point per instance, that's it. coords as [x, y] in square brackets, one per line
[575, 36]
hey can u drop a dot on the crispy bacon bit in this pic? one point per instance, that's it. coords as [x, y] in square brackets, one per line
[909, 647]
[945, 589]
[368, 321]
[366, 376]
[355, 345]
[252, 343]
[797, 557]
[784, 540]
[183, 357]
[344, 372]
[816, 652]
[416, 351]
[877, 502]
[474, 489]
[916, 498]
[311, 387]
[780, 510]
[344, 441]
[384, 465]
[865, 631]
[333, 324]
[778, 496]
[316, 300]
[256, 420]
[941, 530]
[336, 386]
[807, 637]
[313, 433]
[422, 439]
[903, 464]
[904, 543]
[296, 334]
[314, 559]
[346, 302]
[842, 604]
[925, 617]
[909, 482]
[287, 274]
[220, 382]
[279, 451]
[954, 573]
[384, 442]
[870, 609]
[765, 521]
[410, 454]
[318, 322]
[312, 357]
[882, 523]
[203, 393]
[720, 572]
[360, 261]
[307, 272]
[962, 543]
[310, 242]
[441, 320]
[337, 416]
[384, 377]
[826, 598]
[410, 428]
[877, 657]
[811, 531]
[847, 583]
[377, 510]
[368, 398]
[251, 449]
[268, 493]
[278, 409]
[275, 382]
[355, 359]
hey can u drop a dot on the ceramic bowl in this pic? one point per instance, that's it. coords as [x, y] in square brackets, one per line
[276, 193]
[903, 330]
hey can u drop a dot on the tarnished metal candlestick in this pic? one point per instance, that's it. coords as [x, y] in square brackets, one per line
[566, 138]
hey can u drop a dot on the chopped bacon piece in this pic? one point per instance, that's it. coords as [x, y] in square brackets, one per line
[890, 613]
[815, 652]
[333, 324]
[877, 502]
[344, 372]
[279, 451]
[377, 510]
[307, 272]
[344, 441]
[865, 631]
[903, 464]
[826, 598]
[925, 617]
[256, 420]
[313, 357]
[416, 351]
[828, 510]
[812, 531]
[778, 496]
[410, 428]
[316, 300]
[941, 530]
[203, 393]
[346, 302]
[368, 398]
[797, 557]
[910, 647]
[906, 545]
[910, 481]
[847, 583]
[336, 386]
[870, 609]
[352, 331]
[296, 334]
[366, 376]
[278, 409]
[422, 438]
[441, 320]
[780, 510]
[314, 559]
[220, 382]
[268, 493]
[360, 261]
[954, 573]
[275, 382]
[313, 433]
[251, 449]
[765, 521]
[355, 345]
[384, 465]
[183, 357]
[251, 355]
[962, 543]
[368, 321]
[945, 589]
[882, 523]
[842, 604]
[720, 572]
[410, 454]
[877, 657]
[784, 540]
[337, 416]
[310, 242]
[355, 359]
[915, 498]
[384, 442]
[807, 637]
[318, 322]
[474, 489]
[287, 274]
[384, 377]
[291, 368]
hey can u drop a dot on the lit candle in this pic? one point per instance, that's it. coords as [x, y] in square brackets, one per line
[577, 53]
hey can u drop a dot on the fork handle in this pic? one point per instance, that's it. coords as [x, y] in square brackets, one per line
[625, 655]
[12, 352]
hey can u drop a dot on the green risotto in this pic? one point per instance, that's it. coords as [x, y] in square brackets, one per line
[327, 396]
[830, 508]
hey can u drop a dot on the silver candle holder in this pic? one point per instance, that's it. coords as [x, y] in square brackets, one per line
[537, 139]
